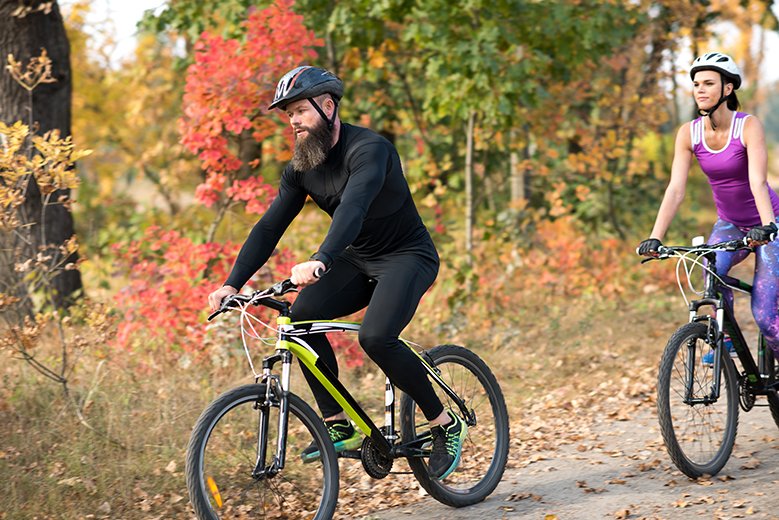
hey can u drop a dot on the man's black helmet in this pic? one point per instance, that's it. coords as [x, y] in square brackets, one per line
[306, 82]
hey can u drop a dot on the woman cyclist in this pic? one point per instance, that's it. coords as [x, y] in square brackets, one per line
[730, 148]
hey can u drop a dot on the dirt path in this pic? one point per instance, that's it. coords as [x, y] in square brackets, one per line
[619, 469]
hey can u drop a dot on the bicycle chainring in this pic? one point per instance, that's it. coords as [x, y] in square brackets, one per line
[374, 463]
[746, 398]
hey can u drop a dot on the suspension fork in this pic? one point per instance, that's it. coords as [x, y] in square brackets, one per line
[715, 335]
[276, 394]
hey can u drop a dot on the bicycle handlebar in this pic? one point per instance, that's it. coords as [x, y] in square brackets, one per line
[232, 301]
[729, 245]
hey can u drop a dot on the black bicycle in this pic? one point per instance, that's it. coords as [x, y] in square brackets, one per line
[244, 456]
[698, 399]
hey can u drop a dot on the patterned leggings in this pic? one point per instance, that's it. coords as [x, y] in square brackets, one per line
[765, 295]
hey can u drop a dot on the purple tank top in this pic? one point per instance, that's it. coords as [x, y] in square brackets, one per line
[728, 174]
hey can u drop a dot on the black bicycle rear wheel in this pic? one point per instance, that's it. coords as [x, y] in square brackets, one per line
[773, 374]
[698, 435]
[222, 454]
[485, 449]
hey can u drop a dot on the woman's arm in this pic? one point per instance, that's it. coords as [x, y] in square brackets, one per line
[674, 193]
[754, 140]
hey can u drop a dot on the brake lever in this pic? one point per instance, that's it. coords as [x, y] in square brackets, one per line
[283, 287]
[226, 305]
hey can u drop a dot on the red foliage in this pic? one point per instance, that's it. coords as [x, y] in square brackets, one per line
[228, 88]
[165, 300]
[164, 304]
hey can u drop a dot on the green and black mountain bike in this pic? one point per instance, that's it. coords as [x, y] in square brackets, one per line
[698, 396]
[244, 455]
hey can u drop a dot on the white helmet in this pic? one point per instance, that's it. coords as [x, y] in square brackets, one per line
[719, 62]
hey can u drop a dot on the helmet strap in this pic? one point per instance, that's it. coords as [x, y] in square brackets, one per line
[331, 121]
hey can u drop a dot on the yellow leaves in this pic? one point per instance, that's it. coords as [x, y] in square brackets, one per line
[38, 71]
[7, 300]
[52, 166]
[10, 197]
[23, 10]
[557, 207]
[376, 58]
[582, 192]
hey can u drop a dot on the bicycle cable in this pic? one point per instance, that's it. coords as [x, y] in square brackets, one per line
[684, 258]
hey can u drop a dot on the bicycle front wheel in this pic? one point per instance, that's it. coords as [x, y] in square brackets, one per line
[699, 431]
[485, 449]
[223, 455]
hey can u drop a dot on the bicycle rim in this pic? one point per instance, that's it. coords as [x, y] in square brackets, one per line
[485, 450]
[699, 437]
[223, 453]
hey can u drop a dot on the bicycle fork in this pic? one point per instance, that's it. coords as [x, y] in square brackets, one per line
[715, 336]
[276, 392]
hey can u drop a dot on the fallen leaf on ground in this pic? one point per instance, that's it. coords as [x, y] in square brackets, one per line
[751, 464]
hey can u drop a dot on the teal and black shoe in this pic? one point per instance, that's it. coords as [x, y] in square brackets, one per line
[342, 434]
[447, 447]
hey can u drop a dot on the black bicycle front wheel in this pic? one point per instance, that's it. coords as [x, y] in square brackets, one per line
[699, 431]
[223, 451]
[485, 449]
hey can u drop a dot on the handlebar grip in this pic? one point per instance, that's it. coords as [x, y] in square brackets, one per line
[318, 272]
[214, 314]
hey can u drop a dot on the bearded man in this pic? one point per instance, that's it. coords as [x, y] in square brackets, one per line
[377, 253]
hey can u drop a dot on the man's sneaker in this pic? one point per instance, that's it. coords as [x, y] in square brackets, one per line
[447, 446]
[708, 357]
[343, 435]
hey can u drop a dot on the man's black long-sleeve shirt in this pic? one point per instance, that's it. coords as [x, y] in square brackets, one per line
[362, 187]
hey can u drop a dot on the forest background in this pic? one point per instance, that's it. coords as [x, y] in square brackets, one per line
[536, 138]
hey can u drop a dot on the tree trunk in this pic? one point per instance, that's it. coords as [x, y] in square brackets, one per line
[469, 184]
[24, 34]
[520, 177]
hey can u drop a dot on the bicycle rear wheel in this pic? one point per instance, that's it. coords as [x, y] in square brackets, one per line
[222, 454]
[485, 449]
[699, 436]
[773, 373]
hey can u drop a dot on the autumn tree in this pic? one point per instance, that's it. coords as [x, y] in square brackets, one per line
[226, 97]
[29, 32]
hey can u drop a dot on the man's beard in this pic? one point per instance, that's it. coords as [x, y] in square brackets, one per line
[311, 151]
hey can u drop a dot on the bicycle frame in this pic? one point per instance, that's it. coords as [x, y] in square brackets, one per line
[290, 344]
[759, 377]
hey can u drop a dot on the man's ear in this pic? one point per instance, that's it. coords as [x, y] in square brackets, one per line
[328, 105]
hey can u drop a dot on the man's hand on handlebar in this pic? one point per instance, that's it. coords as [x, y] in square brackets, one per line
[307, 273]
[216, 297]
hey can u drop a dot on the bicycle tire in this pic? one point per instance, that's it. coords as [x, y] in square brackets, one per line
[699, 438]
[485, 449]
[222, 454]
[773, 398]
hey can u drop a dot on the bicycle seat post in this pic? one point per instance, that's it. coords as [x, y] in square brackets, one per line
[389, 410]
